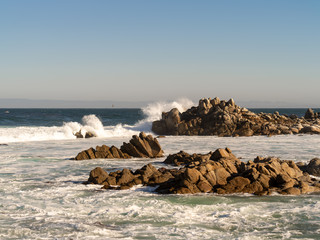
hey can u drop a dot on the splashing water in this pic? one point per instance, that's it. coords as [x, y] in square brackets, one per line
[91, 123]
[154, 110]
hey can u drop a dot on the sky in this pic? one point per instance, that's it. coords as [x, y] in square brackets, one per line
[262, 53]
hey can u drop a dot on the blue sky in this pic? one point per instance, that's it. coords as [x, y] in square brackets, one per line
[253, 51]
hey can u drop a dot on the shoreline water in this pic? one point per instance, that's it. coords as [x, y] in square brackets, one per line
[41, 195]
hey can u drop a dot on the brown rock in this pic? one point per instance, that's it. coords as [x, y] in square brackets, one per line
[204, 186]
[236, 184]
[291, 191]
[192, 175]
[89, 135]
[219, 153]
[82, 156]
[98, 176]
[126, 177]
[221, 176]
[313, 167]
[91, 153]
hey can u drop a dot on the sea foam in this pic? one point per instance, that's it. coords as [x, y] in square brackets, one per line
[92, 123]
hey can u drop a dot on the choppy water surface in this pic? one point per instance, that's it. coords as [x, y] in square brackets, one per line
[41, 195]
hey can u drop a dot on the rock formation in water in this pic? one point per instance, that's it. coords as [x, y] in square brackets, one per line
[216, 172]
[87, 134]
[225, 118]
[141, 146]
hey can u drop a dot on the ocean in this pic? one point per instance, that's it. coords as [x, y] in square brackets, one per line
[42, 195]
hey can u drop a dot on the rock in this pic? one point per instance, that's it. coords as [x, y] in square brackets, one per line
[236, 184]
[219, 153]
[4, 144]
[313, 167]
[225, 118]
[82, 156]
[89, 135]
[310, 129]
[309, 114]
[142, 146]
[192, 175]
[78, 134]
[98, 176]
[291, 191]
[224, 175]
[125, 177]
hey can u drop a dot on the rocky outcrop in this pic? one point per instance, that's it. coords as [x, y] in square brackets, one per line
[216, 172]
[183, 158]
[225, 118]
[142, 146]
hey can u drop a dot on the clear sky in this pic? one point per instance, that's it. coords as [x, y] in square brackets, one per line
[143, 50]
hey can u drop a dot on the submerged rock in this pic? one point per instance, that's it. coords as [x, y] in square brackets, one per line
[216, 172]
[141, 146]
[225, 118]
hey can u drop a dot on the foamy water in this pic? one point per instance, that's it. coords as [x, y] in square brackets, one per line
[91, 123]
[41, 195]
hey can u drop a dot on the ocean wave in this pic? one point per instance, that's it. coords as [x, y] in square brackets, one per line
[92, 123]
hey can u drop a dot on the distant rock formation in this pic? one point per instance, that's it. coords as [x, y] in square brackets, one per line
[141, 146]
[216, 172]
[225, 118]
[87, 135]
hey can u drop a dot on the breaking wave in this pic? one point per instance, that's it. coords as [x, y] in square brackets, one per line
[91, 123]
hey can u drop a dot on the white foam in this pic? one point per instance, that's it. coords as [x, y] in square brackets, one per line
[91, 123]
[153, 111]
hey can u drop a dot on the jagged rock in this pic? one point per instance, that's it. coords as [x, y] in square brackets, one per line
[309, 114]
[183, 158]
[224, 175]
[87, 135]
[225, 118]
[142, 146]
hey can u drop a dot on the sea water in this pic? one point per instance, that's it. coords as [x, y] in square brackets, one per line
[42, 195]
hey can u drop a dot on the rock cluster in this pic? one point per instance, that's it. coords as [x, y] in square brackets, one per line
[141, 146]
[218, 172]
[86, 135]
[225, 118]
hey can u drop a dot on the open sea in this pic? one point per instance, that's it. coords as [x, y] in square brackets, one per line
[41, 195]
